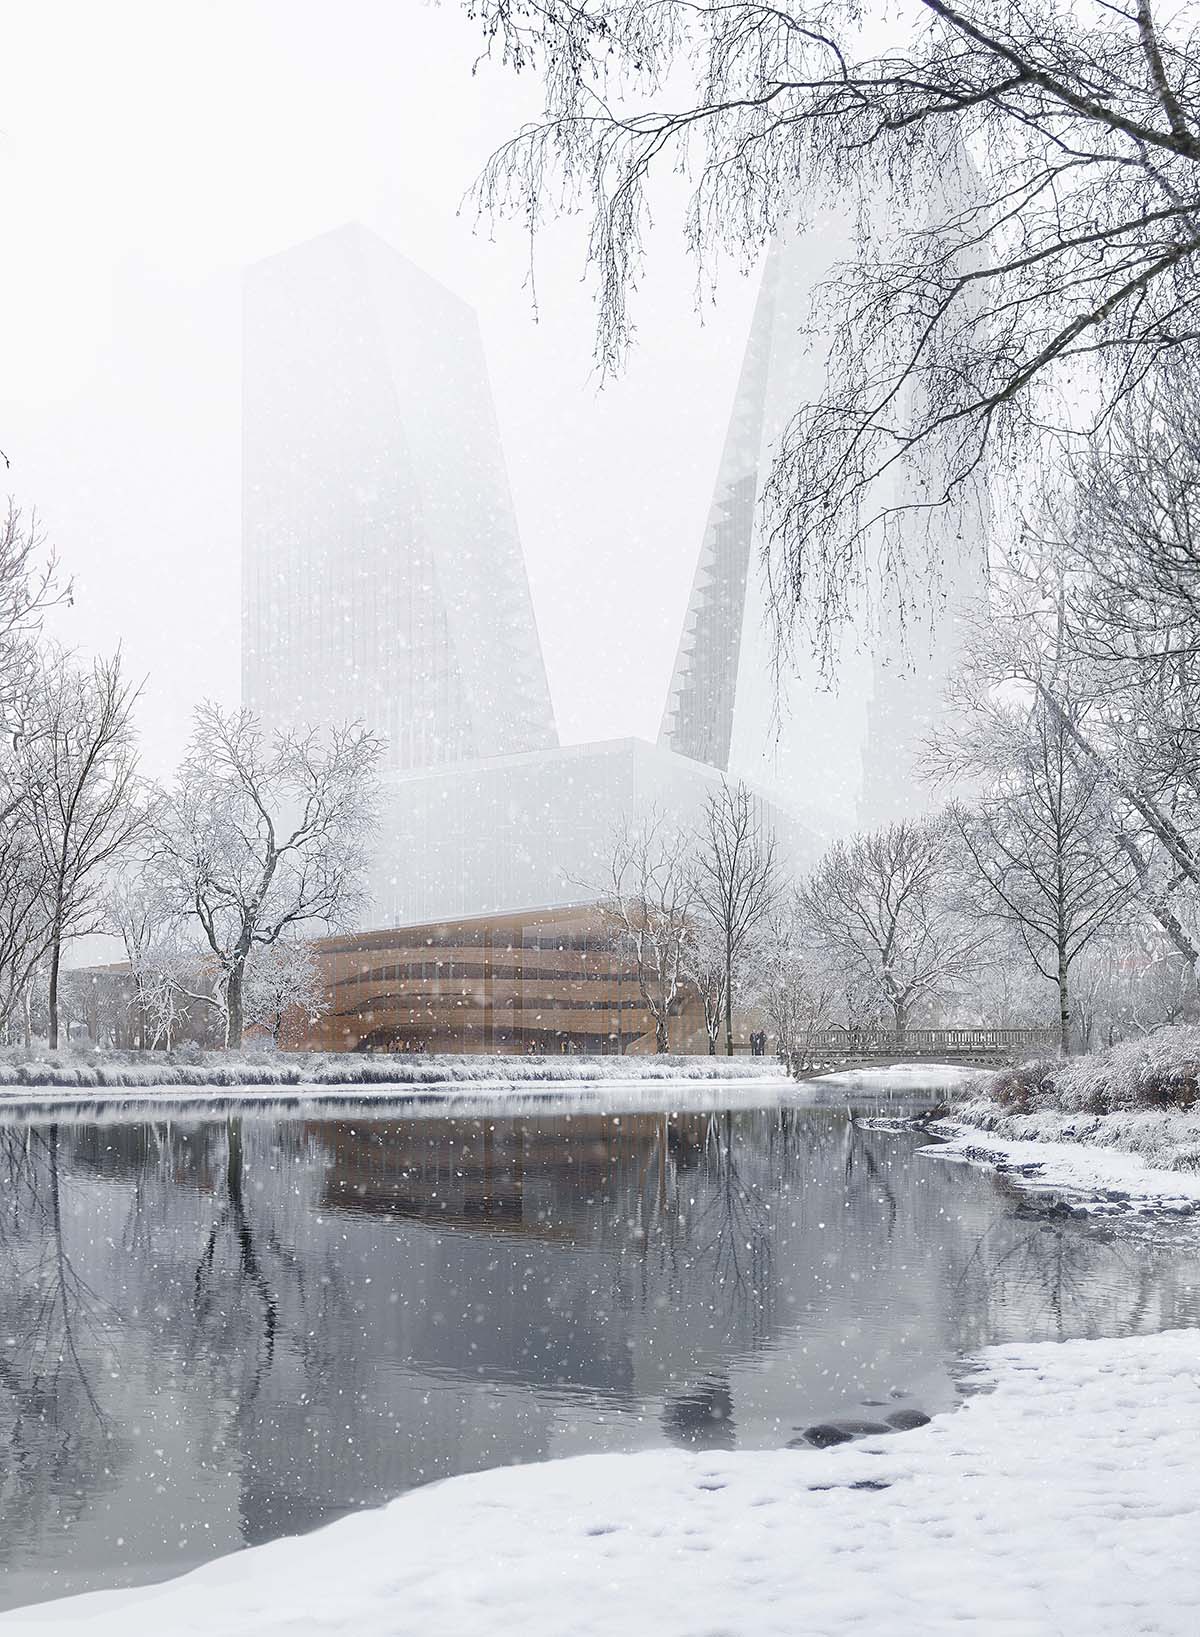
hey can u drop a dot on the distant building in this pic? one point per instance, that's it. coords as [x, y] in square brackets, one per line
[543, 981]
[486, 935]
[841, 750]
[384, 582]
[535, 831]
[907, 703]
[383, 579]
[800, 743]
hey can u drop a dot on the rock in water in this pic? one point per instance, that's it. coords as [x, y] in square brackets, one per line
[906, 1420]
[828, 1433]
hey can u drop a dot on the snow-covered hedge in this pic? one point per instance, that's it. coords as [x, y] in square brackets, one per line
[192, 1068]
[1159, 1070]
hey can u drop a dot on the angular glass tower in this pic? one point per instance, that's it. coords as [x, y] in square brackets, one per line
[383, 579]
[801, 742]
[843, 751]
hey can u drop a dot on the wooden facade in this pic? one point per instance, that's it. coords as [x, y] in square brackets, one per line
[546, 981]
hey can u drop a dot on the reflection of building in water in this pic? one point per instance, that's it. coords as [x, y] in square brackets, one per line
[517, 1175]
[548, 981]
[349, 1338]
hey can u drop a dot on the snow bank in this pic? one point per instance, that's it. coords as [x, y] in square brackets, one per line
[464, 1100]
[349, 1069]
[1150, 1157]
[906, 1077]
[1138, 1099]
[1067, 1500]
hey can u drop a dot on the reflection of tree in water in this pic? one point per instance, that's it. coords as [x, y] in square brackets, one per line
[865, 1178]
[60, 1446]
[732, 1229]
[214, 1300]
[250, 1290]
[1045, 1276]
[700, 1219]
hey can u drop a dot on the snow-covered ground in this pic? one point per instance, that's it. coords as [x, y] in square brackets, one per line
[457, 1100]
[1066, 1153]
[1167, 1139]
[899, 1077]
[1066, 1500]
[100, 1088]
[97, 1070]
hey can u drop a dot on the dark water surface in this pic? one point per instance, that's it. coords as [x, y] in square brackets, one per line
[215, 1331]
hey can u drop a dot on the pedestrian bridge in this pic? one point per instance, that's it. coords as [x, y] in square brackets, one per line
[821, 1050]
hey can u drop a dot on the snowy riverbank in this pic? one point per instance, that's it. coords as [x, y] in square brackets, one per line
[97, 1071]
[1125, 1119]
[1134, 1161]
[1066, 1499]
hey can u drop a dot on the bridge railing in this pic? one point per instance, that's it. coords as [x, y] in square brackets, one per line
[876, 1042]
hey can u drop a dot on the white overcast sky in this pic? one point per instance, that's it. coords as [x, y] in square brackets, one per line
[147, 152]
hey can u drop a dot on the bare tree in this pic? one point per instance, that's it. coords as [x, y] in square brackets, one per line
[30, 585]
[1092, 622]
[791, 984]
[883, 911]
[285, 977]
[704, 965]
[736, 877]
[170, 974]
[1108, 603]
[1040, 834]
[25, 923]
[1124, 535]
[264, 836]
[646, 903]
[77, 771]
[1026, 178]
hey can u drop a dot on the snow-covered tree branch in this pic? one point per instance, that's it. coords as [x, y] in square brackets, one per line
[265, 837]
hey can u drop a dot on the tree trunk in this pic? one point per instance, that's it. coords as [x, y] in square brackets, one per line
[662, 1041]
[901, 1016]
[233, 1005]
[55, 958]
[27, 1018]
[712, 1045]
[728, 998]
[1064, 1005]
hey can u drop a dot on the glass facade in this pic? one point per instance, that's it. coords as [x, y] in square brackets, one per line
[383, 580]
[838, 746]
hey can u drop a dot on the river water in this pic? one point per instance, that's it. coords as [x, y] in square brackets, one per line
[217, 1330]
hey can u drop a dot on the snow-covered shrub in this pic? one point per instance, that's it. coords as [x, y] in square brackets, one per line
[1022, 1087]
[1159, 1070]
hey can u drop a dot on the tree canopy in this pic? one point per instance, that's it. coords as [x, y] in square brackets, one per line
[1023, 186]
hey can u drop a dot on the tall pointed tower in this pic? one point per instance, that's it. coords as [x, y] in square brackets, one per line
[843, 751]
[800, 742]
[383, 579]
[698, 720]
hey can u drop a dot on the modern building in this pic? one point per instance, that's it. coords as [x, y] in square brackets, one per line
[907, 703]
[534, 831]
[384, 582]
[480, 870]
[841, 749]
[789, 731]
[383, 579]
[541, 981]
